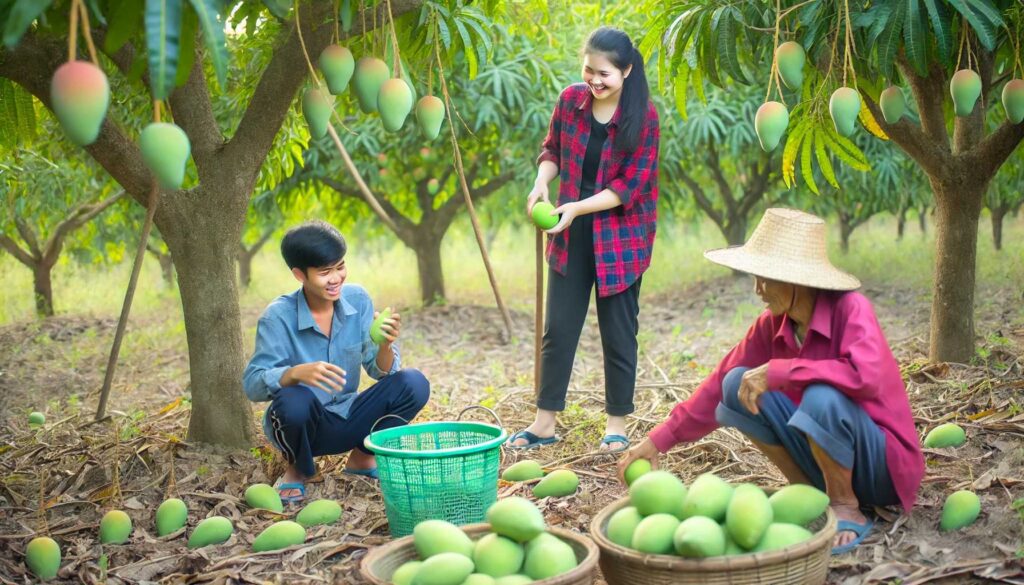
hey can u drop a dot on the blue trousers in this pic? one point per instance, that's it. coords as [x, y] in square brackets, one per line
[826, 416]
[304, 429]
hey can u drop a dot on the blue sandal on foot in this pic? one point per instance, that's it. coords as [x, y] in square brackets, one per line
[370, 473]
[295, 485]
[532, 440]
[609, 439]
[861, 530]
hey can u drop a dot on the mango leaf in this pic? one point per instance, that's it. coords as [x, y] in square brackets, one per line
[124, 21]
[824, 161]
[345, 14]
[22, 13]
[163, 31]
[914, 42]
[187, 51]
[869, 122]
[847, 151]
[680, 87]
[984, 28]
[727, 48]
[792, 149]
[943, 28]
[888, 42]
[208, 12]
[278, 8]
[806, 156]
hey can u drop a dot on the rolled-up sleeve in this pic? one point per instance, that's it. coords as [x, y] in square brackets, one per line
[638, 165]
[371, 349]
[551, 148]
[262, 377]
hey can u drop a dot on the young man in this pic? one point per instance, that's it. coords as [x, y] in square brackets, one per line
[309, 347]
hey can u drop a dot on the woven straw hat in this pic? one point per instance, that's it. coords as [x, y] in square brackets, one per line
[788, 246]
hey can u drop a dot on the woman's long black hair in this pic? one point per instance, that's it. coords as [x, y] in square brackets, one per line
[619, 49]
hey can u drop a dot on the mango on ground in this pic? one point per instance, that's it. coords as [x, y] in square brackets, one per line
[213, 530]
[42, 555]
[524, 470]
[558, 483]
[172, 515]
[636, 469]
[115, 527]
[261, 495]
[960, 509]
[279, 535]
[945, 435]
[319, 512]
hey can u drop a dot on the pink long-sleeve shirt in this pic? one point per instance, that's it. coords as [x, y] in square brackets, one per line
[845, 348]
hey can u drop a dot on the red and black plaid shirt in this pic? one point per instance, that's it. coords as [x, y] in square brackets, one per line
[623, 235]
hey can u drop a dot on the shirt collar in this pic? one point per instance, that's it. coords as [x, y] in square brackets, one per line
[583, 103]
[821, 320]
[305, 316]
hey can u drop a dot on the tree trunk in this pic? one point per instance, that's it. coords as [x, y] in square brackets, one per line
[901, 224]
[922, 220]
[845, 230]
[998, 214]
[428, 262]
[245, 267]
[957, 211]
[735, 230]
[43, 288]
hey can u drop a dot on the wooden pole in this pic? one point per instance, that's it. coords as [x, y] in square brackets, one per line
[538, 324]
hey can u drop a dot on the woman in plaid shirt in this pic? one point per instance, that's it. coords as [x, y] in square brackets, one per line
[602, 144]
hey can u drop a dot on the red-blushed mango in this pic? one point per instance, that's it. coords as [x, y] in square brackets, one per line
[892, 103]
[945, 435]
[709, 496]
[1013, 100]
[165, 150]
[657, 492]
[524, 470]
[965, 88]
[770, 124]
[337, 65]
[433, 537]
[319, 512]
[622, 525]
[798, 504]
[748, 516]
[394, 103]
[559, 483]
[376, 333]
[654, 534]
[844, 107]
[497, 556]
[405, 574]
[433, 186]
[444, 569]
[790, 58]
[213, 530]
[171, 515]
[960, 509]
[80, 95]
[780, 535]
[370, 75]
[550, 557]
[115, 527]
[261, 495]
[42, 556]
[699, 537]
[516, 518]
[316, 109]
[430, 116]
[636, 469]
[279, 535]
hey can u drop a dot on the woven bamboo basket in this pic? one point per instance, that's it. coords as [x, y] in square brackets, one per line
[804, 563]
[380, 563]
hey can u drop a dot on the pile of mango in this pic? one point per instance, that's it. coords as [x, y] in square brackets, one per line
[519, 550]
[711, 517]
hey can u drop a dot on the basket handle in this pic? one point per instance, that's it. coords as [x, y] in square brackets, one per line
[479, 407]
[376, 422]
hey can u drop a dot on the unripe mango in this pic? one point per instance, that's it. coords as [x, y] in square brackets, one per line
[42, 556]
[709, 496]
[654, 534]
[36, 419]
[780, 535]
[558, 483]
[622, 525]
[748, 516]
[394, 103]
[337, 65]
[433, 537]
[213, 530]
[80, 95]
[405, 574]
[945, 435]
[497, 556]
[550, 558]
[524, 470]
[316, 109]
[543, 215]
[370, 75]
[479, 579]
[433, 186]
[516, 518]
[279, 535]
[540, 539]
[657, 492]
[798, 504]
[965, 88]
[513, 580]
[376, 334]
[261, 495]
[893, 104]
[790, 58]
[731, 548]
[171, 516]
[444, 569]
[165, 150]
[115, 527]
[430, 116]
[844, 106]
[636, 469]
[770, 124]
[699, 537]
[319, 512]
[1013, 100]
[961, 509]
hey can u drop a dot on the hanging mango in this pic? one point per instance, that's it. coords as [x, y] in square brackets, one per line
[316, 109]
[370, 75]
[80, 95]
[394, 103]
[1013, 100]
[790, 57]
[430, 115]
[965, 88]
[165, 150]
[844, 106]
[893, 104]
[337, 65]
[770, 123]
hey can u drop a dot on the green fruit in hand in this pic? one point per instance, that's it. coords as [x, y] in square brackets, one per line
[444, 569]
[261, 495]
[893, 104]
[657, 492]
[558, 483]
[790, 57]
[1013, 100]
[709, 495]
[770, 124]
[317, 106]
[699, 537]
[636, 469]
[498, 556]
[115, 527]
[945, 435]
[516, 518]
[213, 530]
[748, 516]
[279, 535]
[798, 504]
[319, 512]
[171, 516]
[524, 470]
[42, 555]
[654, 534]
[549, 558]
[961, 509]
[165, 150]
[370, 75]
[965, 88]
[433, 537]
[394, 102]
[844, 106]
[622, 525]
[80, 95]
[780, 536]
[337, 65]
[542, 214]
[376, 333]
[36, 418]
[430, 116]
[405, 574]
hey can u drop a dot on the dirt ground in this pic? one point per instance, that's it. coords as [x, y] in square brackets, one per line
[78, 470]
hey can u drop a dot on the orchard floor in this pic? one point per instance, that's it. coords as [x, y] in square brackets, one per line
[80, 470]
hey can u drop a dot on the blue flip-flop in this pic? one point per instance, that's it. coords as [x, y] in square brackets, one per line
[532, 440]
[296, 485]
[609, 439]
[861, 530]
[370, 473]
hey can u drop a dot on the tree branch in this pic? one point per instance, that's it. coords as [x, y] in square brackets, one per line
[992, 152]
[933, 157]
[716, 172]
[448, 210]
[404, 225]
[29, 237]
[929, 93]
[193, 112]
[702, 200]
[78, 217]
[14, 250]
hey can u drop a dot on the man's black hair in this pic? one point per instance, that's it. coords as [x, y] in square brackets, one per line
[312, 245]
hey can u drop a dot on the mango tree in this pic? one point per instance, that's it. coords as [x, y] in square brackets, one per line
[1005, 196]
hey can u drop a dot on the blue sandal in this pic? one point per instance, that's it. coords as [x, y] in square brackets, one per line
[532, 440]
[861, 530]
[609, 439]
[291, 486]
[370, 473]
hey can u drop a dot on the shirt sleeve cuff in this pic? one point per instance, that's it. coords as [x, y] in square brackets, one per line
[778, 373]
[663, 437]
[620, 189]
[547, 155]
[272, 378]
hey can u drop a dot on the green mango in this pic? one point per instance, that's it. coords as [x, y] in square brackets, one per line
[80, 96]
[965, 88]
[798, 504]
[433, 537]
[790, 58]
[699, 537]
[770, 123]
[524, 470]
[213, 530]
[317, 106]
[516, 518]
[370, 75]
[780, 535]
[261, 495]
[115, 527]
[1013, 100]
[337, 65]
[42, 556]
[549, 558]
[654, 534]
[945, 435]
[657, 492]
[960, 509]
[513, 580]
[433, 186]
[892, 103]
[636, 469]
[319, 512]
[405, 574]
[394, 103]
[558, 483]
[844, 106]
[543, 215]
[479, 579]
[171, 516]
[622, 525]
[497, 556]
[36, 419]
[444, 569]
[376, 334]
[731, 548]
[165, 150]
[279, 535]
[429, 116]
[709, 496]
[748, 516]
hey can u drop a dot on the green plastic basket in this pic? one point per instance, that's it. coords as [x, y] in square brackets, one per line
[437, 470]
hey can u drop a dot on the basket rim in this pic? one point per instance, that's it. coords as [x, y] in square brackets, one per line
[822, 537]
[586, 567]
[495, 442]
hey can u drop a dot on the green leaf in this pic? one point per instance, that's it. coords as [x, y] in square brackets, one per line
[187, 51]
[847, 151]
[984, 28]
[446, 35]
[680, 86]
[94, 9]
[23, 13]
[279, 8]
[823, 158]
[125, 19]
[345, 14]
[888, 42]
[25, 112]
[806, 156]
[943, 28]
[727, 48]
[213, 37]
[163, 30]
[914, 41]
